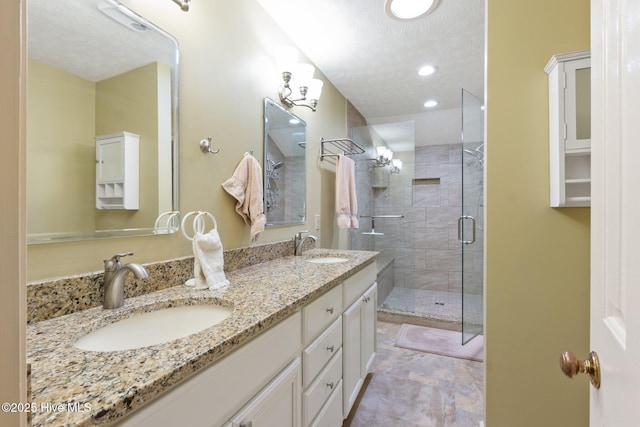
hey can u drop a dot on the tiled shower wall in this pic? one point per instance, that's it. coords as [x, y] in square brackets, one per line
[424, 244]
[428, 192]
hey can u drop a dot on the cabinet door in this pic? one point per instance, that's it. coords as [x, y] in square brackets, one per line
[352, 354]
[278, 404]
[110, 160]
[369, 323]
[577, 104]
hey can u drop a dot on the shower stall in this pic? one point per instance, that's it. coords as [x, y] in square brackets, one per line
[427, 218]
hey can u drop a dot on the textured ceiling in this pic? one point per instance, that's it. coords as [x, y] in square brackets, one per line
[75, 36]
[373, 60]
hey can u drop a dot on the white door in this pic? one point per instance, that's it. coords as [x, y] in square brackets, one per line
[615, 211]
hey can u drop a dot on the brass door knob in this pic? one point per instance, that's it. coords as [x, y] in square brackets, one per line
[571, 366]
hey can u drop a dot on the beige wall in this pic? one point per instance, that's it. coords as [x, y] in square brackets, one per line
[61, 145]
[227, 68]
[60, 197]
[537, 275]
[129, 102]
[12, 209]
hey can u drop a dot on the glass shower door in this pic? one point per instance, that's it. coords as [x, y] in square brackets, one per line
[471, 221]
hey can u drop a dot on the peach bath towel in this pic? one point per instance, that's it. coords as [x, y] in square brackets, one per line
[346, 199]
[246, 187]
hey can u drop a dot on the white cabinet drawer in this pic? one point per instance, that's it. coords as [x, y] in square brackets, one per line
[319, 314]
[320, 351]
[319, 391]
[331, 414]
[354, 286]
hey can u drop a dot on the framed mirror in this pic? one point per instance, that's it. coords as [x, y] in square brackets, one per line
[97, 69]
[285, 171]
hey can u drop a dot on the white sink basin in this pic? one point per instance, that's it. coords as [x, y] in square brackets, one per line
[154, 327]
[327, 260]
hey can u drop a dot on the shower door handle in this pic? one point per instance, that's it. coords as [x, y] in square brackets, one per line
[460, 229]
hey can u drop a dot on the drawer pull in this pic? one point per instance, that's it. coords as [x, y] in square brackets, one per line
[366, 299]
[330, 385]
[331, 348]
[330, 310]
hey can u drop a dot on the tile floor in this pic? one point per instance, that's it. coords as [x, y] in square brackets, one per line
[415, 389]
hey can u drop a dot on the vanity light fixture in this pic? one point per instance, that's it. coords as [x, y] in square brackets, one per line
[299, 88]
[184, 4]
[409, 10]
[385, 155]
[396, 166]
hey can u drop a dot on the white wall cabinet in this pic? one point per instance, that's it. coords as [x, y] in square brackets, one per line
[118, 171]
[358, 333]
[570, 129]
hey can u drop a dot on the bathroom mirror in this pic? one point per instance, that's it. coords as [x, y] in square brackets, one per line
[285, 137]
[97, 68]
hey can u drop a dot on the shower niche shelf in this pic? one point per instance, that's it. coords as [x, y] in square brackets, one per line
[570, 129]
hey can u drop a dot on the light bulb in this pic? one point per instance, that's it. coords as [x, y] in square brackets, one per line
[315, 89]
[303, 74]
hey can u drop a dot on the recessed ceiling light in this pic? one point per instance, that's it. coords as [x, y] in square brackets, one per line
[407, 10]
[430, 103]
[427, 70]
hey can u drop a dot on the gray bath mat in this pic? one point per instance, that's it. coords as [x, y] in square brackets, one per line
[439, 341]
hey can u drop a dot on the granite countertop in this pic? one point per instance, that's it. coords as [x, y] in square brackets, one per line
[77, 387]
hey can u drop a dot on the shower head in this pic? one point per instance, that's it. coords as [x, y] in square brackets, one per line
[275, 165]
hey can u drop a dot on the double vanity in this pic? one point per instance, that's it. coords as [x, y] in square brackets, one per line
[287, 343]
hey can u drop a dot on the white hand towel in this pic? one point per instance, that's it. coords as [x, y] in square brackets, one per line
[246, 187]
[346, 198]
[208, 263]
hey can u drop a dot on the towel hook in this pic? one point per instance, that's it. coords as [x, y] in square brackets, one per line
[205, 146]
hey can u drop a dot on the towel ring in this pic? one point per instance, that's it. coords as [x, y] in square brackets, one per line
[172, 221]
[198, 224]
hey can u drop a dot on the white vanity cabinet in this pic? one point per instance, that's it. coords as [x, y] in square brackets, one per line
[322, 360]
[359, 332]
[570, 129]
[117, 171]
[264, 372]
[306, 371]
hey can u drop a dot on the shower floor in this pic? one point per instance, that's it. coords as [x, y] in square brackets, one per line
[437, 305]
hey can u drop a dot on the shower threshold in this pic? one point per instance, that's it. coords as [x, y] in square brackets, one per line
[420, 319]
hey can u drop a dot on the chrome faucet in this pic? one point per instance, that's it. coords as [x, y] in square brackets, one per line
[298, 241]
[114, 274]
